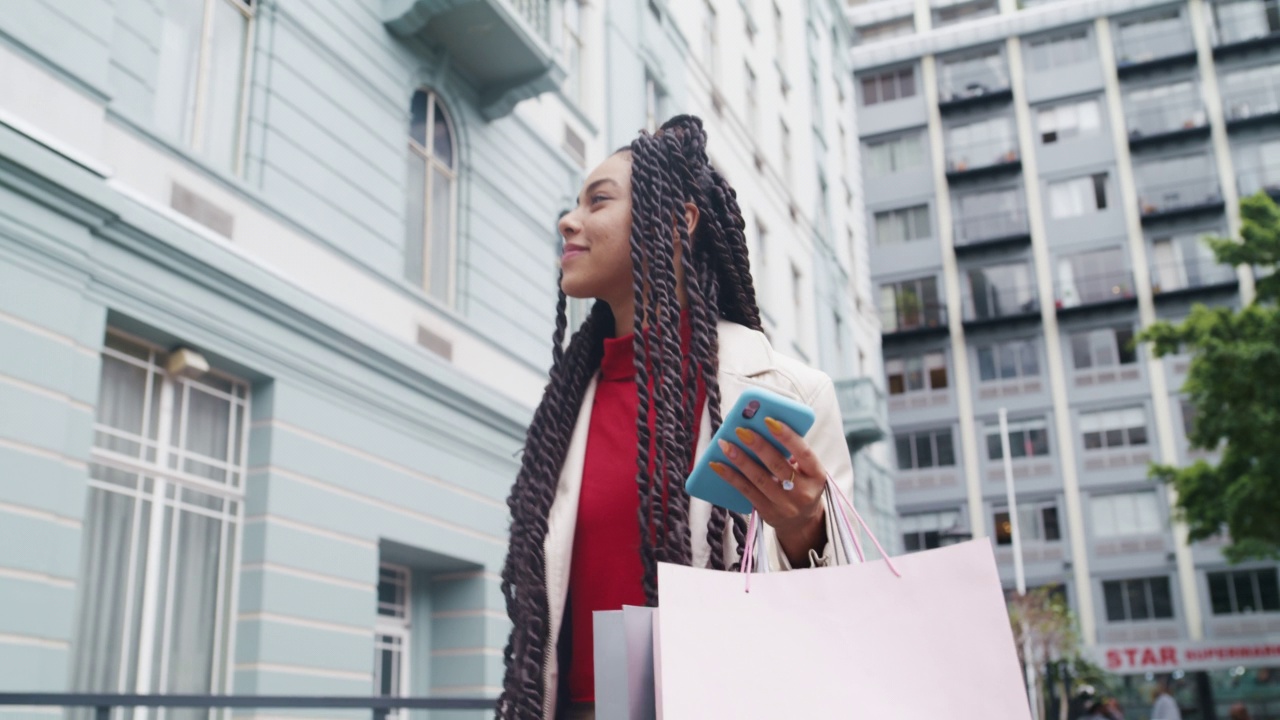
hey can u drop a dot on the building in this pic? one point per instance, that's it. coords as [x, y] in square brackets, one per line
[276, 288]
[1037, 177]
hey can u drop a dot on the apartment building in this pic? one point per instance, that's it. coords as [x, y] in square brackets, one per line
[1038, 177]
[276, 288]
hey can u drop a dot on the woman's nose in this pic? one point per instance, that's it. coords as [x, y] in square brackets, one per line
[569, 225]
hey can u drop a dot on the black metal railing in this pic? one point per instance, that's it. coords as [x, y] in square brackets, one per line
[1264, 178]
[984, 154]
[1236, 28]
[918, 317]
[1139, 44]
[974, 229]
[1095, 289]
[1161, 198]
[973, 79]
[996, 302]
[1177, 115]
[1246, 103]
[102, 704]
[1171, 277]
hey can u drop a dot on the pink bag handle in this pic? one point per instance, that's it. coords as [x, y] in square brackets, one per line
[842, 523]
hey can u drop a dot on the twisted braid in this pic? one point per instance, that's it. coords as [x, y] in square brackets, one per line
[669, 168]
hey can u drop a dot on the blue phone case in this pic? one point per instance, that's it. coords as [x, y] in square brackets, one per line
[704, 483]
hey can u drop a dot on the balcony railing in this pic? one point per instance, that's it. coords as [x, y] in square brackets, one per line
[1175, 117]
[1181, 277]
[1000, 303]
[1259, 21]
[1138, 45]
[1250, 104]
[985, 155]
[1265, 178]
[921, 317]
[103, 704]
[1096, 289]
[1183, 196]
[863, 408]
[979, 229]
[973, 80]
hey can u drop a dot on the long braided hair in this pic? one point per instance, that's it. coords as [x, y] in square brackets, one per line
[668, 169]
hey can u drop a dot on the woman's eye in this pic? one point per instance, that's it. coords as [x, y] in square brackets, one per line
[598, 198]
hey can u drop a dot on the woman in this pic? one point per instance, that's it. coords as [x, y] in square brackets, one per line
[656, 238]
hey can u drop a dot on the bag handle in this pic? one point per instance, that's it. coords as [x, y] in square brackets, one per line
[753, 559]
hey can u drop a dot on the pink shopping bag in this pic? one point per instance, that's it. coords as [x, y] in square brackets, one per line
[932, 642]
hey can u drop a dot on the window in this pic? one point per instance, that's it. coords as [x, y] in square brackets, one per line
[1176, 182]
[1241, 592]
[911, 304]
[1078, 196]
[391, 635]
[1188, 409]
[876, 32]
[894, 155]
[1152, 37]
[1126, 514]
[752, 101]
[785, 148]
[925, 449]
[655, 103]
[917, 373]
[1067, 121]
[1037, 522]
[894, 227]
[1164, 108]
[1093, 277]
[710, 39]
[1251, 92]
[1108, 429]
[1008, 361]
[1140, 599]
[1027, 438]
[998, 291]
[981, 144]
[1242, 20]
[973, 74]
[201, 77]
[167, 471]
[988, 215]
[433, 192]
[1048, 52]
[922, 531]
[961, 11]
[888, 86]
[572, 49]
[1103, 348]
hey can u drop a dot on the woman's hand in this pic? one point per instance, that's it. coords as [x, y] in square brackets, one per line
[787, 492]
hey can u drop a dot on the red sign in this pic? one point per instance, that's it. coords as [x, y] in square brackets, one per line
[1159, 657]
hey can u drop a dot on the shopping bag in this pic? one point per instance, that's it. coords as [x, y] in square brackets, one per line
[623, 648]
[924, 636]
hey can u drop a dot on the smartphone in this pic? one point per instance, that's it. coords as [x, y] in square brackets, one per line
[752, 407]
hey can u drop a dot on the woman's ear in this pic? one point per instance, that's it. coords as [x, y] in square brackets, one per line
[691, 217]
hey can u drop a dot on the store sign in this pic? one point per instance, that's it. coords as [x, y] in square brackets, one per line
[1162, 657]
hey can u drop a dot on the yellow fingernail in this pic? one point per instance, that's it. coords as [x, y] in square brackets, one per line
[775, 427]
[719, 468]
[745, 435]
[728, 449]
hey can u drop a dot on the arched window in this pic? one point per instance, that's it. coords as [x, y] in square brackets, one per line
[432, 196]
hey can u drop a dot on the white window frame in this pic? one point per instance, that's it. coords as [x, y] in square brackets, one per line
[1081, 193]
[166, 473]
[1031, 523]
[1070, 120]
[1097, 339]
[928, 362]
[1049, 52]
[1148, 598]
[1018, 426]
[1123, 420]
[903, 81]
[1127, 514]
[193, 136]
[894, 155]
[1230, 574]
[397, 625]
[931, 436]
[1015, 346]
[926, 522]
[431, 162]
[573, 49]
[915, 222]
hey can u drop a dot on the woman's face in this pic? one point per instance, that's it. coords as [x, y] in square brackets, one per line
[596, 257]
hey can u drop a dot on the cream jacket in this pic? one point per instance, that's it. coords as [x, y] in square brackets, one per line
[746, 360]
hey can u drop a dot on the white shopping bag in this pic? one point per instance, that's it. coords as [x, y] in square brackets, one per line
[623, 648]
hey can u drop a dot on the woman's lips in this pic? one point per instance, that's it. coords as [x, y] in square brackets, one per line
[570, 252]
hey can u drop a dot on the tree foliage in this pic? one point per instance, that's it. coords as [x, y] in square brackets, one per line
[1234, 385]
[1045, 630]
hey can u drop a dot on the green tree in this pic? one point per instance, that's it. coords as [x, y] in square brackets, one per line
[1045, 631]
[1234, 385]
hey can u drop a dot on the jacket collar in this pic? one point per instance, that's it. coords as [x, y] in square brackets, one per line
[743, 351]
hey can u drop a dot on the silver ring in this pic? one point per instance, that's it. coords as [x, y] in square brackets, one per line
[790, 483]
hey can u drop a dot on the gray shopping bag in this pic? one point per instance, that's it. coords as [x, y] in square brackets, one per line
[624, 664]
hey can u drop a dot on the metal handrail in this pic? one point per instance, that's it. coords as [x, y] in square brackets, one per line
[1165, 197]
[1170, 117]
[1141, 46]
[104, 703]
[970, 229]
[982, 154]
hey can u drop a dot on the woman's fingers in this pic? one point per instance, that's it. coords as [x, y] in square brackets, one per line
[773, 461]
[739, 481]
[801, 453]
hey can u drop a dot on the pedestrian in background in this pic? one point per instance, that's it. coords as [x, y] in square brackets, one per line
[1239, 712]
[1096, 710]
[1111, 709]
[1165, 707]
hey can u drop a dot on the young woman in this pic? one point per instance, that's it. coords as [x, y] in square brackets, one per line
[674, 336]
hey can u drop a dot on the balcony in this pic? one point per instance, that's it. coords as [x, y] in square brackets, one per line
[1244, 27]
[1261, 178]
[1001, 305]
[919, 319]
[1172, 280]
[1250, 106]
[501, 47]
[992, 231]
[1166, 201]
[980, 159]
[1094, 292]
[977, 81]
[863, 409]
[1175, 121]
[1140, 48]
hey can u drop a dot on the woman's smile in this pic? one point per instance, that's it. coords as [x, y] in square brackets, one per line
[571, 250]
